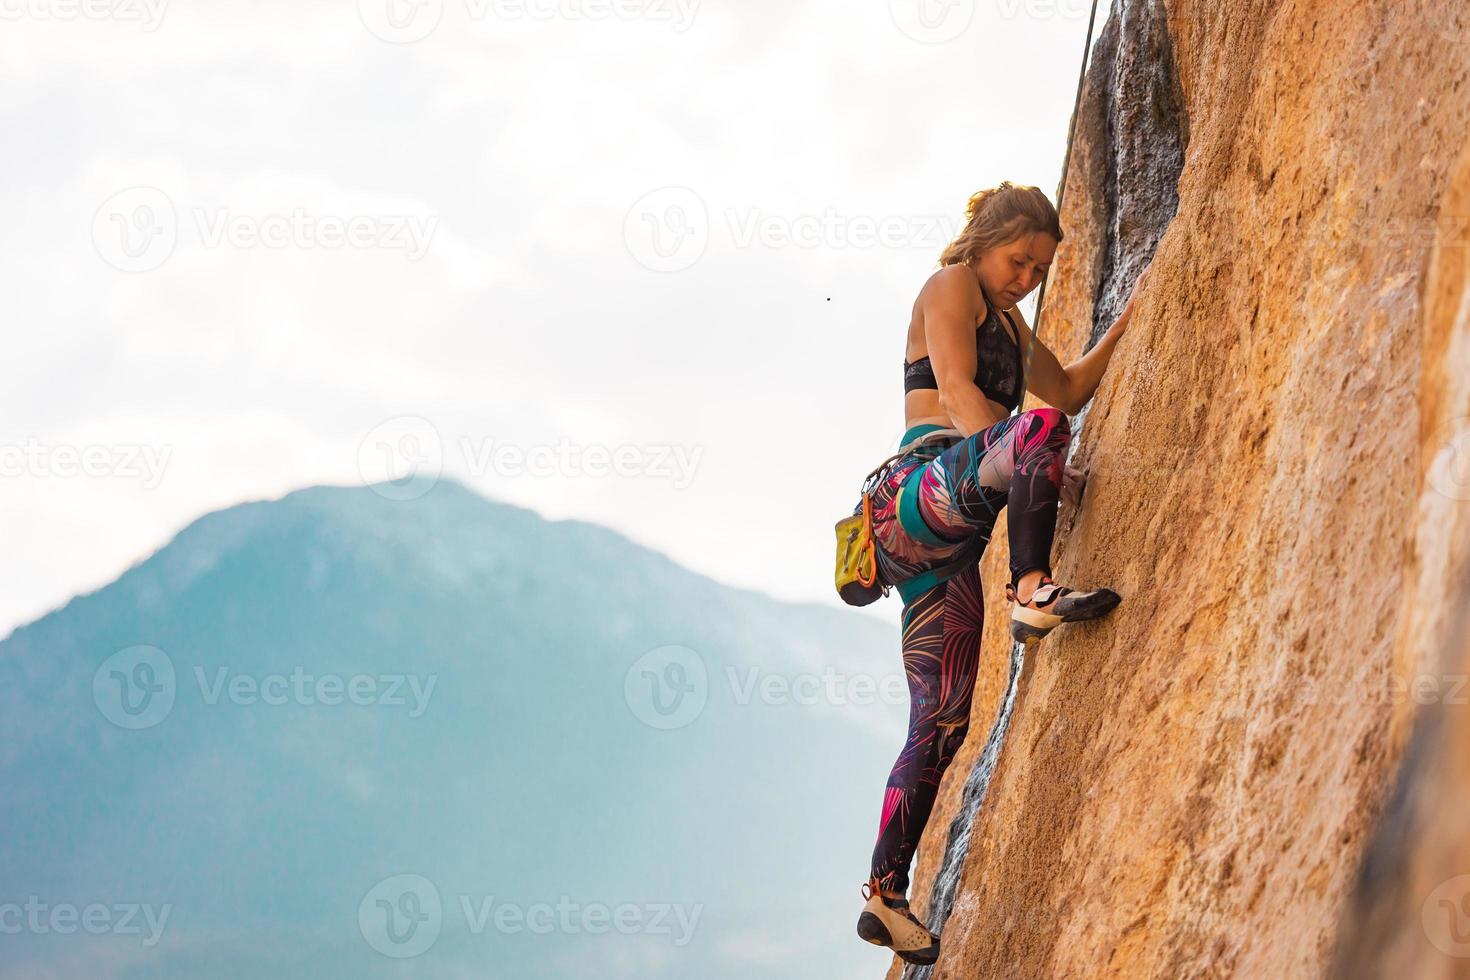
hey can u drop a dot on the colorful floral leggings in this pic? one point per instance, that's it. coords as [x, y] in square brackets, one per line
[1017, 463]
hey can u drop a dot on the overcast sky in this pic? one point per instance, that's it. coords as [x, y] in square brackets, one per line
[641, 262]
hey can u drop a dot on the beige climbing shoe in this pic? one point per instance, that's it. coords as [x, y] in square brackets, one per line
[890, 922]
[1056, 605]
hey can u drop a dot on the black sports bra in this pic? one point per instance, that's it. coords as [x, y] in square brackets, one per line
[997, 363]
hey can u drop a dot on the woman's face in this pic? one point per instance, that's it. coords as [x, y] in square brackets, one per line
[1008, 272]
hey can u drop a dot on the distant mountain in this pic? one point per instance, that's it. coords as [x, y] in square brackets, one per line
[341, 735]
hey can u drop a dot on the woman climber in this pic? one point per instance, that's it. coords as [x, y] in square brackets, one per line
[964, 457]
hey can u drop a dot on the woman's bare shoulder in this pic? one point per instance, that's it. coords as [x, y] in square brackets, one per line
[953, 285]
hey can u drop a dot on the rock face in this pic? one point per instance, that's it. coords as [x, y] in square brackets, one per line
[1217, 779]
[1415, 880]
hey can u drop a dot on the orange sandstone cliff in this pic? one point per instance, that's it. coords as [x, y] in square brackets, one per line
[1259, 765]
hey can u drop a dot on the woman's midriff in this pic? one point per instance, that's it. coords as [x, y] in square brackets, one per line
[922, 406]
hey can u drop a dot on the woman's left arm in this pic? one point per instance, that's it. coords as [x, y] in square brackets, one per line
[1070, 388]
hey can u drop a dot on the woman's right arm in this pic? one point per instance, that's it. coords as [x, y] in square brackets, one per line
[949, 333]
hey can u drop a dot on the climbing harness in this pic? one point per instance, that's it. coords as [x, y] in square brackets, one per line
[857, 577]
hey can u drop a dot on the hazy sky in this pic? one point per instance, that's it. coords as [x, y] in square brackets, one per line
[641, 262]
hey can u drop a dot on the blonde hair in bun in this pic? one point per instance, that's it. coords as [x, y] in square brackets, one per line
[1002, 214]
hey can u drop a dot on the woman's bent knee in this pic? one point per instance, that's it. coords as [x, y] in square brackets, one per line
[1050, 418]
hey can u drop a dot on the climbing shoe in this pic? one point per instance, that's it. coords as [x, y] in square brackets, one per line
[890, 922]
[1055, 605]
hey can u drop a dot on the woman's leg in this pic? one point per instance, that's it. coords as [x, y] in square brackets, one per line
[1016, 463]
[941, 652]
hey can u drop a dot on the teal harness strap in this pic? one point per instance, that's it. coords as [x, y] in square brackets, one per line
[912, 523]
[969, 554]
[917, 431]
[909, 517]
[911, 589]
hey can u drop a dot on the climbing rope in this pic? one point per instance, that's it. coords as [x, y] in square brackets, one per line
[1061, 189]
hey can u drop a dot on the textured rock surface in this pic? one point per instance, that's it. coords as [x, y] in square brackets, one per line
[1278, 489]
[1415, 882]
